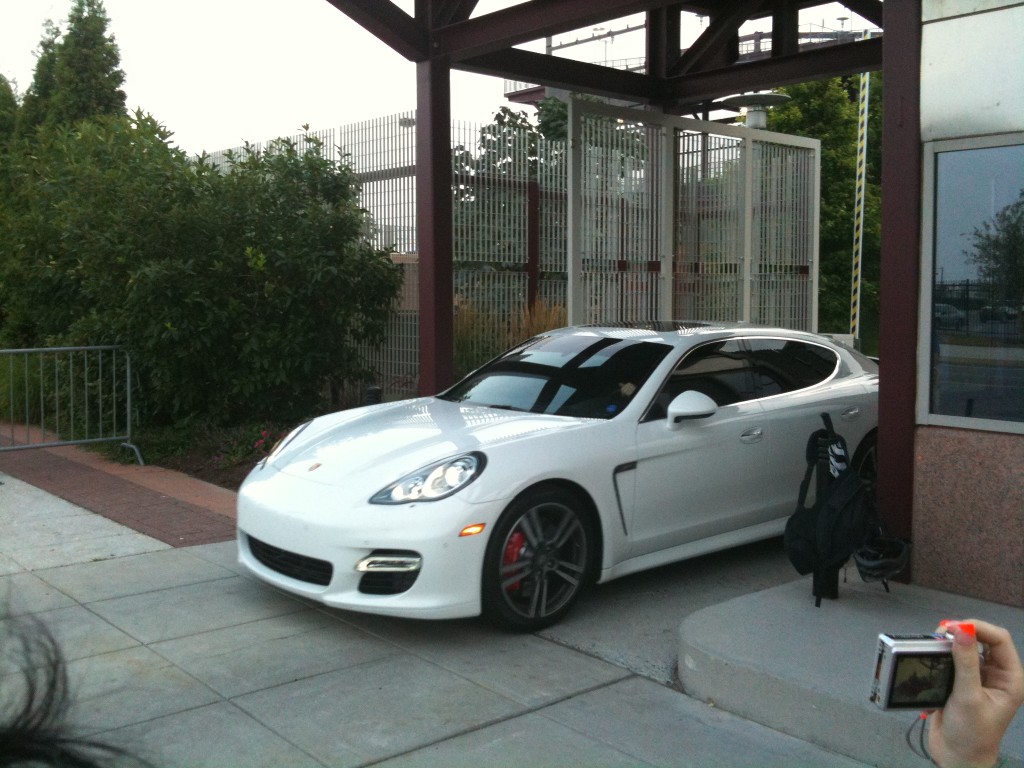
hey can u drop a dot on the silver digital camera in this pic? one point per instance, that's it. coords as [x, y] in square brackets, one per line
[913, 671]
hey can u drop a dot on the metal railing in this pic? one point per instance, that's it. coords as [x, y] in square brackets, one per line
[56, 396]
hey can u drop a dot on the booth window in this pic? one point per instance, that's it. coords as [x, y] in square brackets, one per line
[976, 324]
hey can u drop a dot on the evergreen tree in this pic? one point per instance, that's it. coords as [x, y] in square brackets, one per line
[8, 111]
[77, 74]
[36, 104]
[87, 75]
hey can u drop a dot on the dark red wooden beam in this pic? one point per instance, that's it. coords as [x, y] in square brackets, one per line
[529, 21]
[434, 224]
[870, 9]
[389, 23]
[663, 40]
[564, 73]
[785, 29]
[817, 64]
[720, 41]
[453, 11]
[901, 254]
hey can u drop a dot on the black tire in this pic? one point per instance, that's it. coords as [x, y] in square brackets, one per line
[538, 560]
[865, 459]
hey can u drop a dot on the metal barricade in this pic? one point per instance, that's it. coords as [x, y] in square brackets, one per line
[55, 396]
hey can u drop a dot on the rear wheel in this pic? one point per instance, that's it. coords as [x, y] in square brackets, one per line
[538, 559]
[865, 460]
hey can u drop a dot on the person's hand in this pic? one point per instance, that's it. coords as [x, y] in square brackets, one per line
[985, 697]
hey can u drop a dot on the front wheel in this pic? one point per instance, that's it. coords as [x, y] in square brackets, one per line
[538, 560]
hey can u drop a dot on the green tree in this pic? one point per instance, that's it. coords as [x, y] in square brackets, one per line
[36, 104]
[242, 293]
[8, 112]
[77, 74]
[997, 247]
[553, 118]
[274, 295]
[828, 110]
[83, 205]
[88, 75]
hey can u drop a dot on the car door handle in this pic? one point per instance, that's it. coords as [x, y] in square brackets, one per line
[752, 435]
[850, 413]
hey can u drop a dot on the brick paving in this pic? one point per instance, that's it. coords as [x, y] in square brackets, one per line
[172, 507]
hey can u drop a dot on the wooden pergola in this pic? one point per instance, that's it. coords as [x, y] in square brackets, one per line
[443, 35]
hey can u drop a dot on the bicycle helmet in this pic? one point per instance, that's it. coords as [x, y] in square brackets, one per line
[882, 558]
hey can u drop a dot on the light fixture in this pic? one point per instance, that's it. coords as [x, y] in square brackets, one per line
[756, 105]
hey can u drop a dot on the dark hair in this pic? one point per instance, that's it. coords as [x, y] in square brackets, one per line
[35, 731]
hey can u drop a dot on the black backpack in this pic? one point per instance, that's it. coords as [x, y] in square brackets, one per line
[844, 516]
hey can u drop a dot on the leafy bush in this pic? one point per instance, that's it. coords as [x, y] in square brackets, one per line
[241, 293]
[480, 336]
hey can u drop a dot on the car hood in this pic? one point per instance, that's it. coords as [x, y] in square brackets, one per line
[382, 443]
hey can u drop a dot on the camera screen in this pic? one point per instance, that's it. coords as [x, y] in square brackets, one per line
[921, 680]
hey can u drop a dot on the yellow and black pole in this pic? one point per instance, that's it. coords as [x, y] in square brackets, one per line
[858, 208]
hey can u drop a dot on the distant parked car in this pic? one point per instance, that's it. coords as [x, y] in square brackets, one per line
[581, 455]
[999, 313]
[949, 317]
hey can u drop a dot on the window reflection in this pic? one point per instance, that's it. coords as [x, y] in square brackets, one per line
[977, 345]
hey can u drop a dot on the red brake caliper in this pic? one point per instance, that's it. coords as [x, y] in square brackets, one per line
[513, 551]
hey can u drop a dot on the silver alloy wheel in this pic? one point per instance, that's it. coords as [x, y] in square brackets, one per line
[538, 560]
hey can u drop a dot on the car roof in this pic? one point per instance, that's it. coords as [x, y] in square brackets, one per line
[685, 333]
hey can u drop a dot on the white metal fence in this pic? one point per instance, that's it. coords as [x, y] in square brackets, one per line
[65, 396]
[673, 218]
[691, 220]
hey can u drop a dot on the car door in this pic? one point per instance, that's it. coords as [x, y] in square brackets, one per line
[797, 381]
[700, 478]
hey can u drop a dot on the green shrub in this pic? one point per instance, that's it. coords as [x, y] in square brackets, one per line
[241, 293]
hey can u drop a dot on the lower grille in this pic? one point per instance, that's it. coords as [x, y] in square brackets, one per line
[388, 571]
[387, 583]
[290, 564]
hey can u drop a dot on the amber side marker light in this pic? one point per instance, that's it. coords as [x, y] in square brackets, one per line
[473, 530]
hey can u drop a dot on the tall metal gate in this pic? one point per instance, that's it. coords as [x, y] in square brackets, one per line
[672, 217]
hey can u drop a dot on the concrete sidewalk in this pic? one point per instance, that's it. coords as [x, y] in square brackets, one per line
[168, 506]
[177, 655]
[774, 658]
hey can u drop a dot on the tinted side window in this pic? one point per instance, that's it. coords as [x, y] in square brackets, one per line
[720, 370]
[781, 365]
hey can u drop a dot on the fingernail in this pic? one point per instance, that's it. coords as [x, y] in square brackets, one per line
[966, 634]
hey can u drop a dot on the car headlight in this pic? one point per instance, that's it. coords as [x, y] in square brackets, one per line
[433, 482]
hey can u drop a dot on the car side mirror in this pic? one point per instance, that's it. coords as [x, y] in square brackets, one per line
[688, 406]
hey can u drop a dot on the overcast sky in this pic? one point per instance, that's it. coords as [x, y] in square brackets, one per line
[220, 72]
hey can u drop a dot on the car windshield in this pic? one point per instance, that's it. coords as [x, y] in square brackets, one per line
[583, 375]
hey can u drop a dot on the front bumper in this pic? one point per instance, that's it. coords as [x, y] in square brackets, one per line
[309, 539]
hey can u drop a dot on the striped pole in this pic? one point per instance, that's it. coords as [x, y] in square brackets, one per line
[858, 208]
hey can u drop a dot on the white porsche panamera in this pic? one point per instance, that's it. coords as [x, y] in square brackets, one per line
[581, 455]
